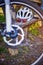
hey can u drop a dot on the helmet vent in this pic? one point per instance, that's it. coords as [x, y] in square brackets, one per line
[21, 13]
[25, 14]
[18, 13]
[28, 14]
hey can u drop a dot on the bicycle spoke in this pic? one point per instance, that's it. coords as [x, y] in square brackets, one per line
[19, 34]
[10, 40]
[16, 39]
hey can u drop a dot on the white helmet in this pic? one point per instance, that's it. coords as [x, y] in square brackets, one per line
[25, 13]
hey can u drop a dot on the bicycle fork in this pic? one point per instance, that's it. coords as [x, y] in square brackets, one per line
[11, 31]
[8, 15]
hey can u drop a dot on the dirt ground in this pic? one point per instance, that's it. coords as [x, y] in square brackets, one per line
[25, 54]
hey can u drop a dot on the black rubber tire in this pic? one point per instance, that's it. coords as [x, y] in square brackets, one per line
[28, 3]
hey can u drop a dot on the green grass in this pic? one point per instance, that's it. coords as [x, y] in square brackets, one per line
[3, 49]
[34, 29]
[35, 32]
[2, 18]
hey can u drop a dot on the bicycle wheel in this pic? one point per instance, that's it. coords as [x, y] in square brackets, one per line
[33, 53]
[35, 8]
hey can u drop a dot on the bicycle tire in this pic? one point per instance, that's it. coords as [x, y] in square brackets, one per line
[38, 10]
[27, 3]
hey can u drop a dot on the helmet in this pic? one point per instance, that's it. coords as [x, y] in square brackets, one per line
[25, 13]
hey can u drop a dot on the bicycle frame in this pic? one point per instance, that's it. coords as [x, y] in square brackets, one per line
[11, 31]
[8, 15]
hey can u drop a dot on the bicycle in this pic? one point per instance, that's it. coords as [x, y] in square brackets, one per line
[13, 30]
